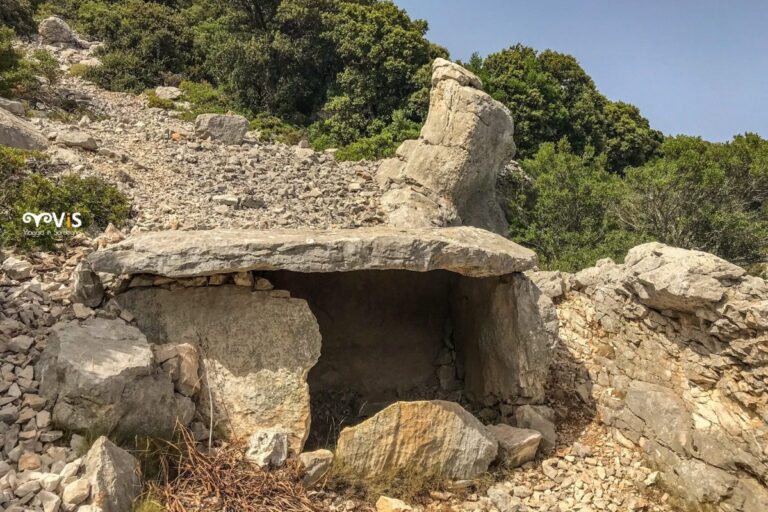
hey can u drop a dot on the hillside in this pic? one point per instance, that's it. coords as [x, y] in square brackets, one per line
[360, 335]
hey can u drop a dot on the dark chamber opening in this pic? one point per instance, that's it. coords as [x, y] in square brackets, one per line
[386, 336]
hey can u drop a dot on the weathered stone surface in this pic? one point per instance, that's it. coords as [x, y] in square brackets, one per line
[551, 283]
[17, 268]
[528, 417]
[516, 445]
[268, 448]
[386, 504]
[56, 30]
[680, 279]
[87, 286]
[664, 413]
[168, 93]
[112, 473]
[14, 107]
[77, 139]
[256, 351]
[514, 327]
[464, 144]
[677, 339]
[222, 128]
[100, 375]
[464, 250]
[15, 132]
[429, 437]
[316, 465]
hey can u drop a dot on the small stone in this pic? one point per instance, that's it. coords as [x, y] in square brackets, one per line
[76, 492]
[385, 504]
[316, 465]
[49, 501]
[244, 279]
[268, 448]
[263, 285]
[81, 311]
[30, 461]
[17, 268]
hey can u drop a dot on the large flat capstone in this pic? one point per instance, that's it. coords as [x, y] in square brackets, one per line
[464, 250]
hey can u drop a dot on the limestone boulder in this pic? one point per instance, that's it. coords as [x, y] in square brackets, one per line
[316, 465]
[550, 282]
[516, 445]
[680, 279]
[227, 129]
[518, 327]
[432, 438]
[463, 250]
[113, 475]
[14, 107]
[465, 143]
[256, 352]
[100, 375]
[55, 30]
[168, 93]
[537, 418]
[268, 448]
[77, 139]
[15, 132]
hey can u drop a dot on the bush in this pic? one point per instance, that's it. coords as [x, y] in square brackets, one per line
[78, 69]
[156, 101]
[97, 202]
[18, 15]
[19, 73]
[561, 208]
[383, 144]
[12, 167]
[272, 128]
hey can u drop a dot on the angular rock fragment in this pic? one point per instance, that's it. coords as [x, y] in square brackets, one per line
[431, 438]
[227, 129]
[113, 477]
[100, 375]
[516, 445]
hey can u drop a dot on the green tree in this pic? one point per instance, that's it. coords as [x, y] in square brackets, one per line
[561, 207]
[703, 195]
[552, 98]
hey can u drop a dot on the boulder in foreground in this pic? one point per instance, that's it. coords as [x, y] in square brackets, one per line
[100, 375]
[431, 438]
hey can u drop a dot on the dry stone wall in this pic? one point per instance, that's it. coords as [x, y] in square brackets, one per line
[676, 342]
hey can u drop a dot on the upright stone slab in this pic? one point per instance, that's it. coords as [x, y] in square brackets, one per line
[256, 349]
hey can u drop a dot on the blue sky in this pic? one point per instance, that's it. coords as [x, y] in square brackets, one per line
[698, 67]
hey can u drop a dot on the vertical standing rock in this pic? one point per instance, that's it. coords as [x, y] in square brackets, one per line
[464, 144]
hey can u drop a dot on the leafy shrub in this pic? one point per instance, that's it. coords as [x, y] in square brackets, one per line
[144, 39]
[157, 102]
[383, 144]
[97, 202]
[204, 98]
[18, 15]
[19, 73]
[561, 208]
[78, 69]
[12, 167]
[272, 128]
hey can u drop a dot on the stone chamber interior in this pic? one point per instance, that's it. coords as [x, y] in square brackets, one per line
[387, 335]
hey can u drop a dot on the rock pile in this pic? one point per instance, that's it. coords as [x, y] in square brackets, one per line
[675, 342]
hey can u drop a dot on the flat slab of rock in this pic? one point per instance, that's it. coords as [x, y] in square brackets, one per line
[431, 438]
[464, 250]
[516, 445]
[256, 351]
